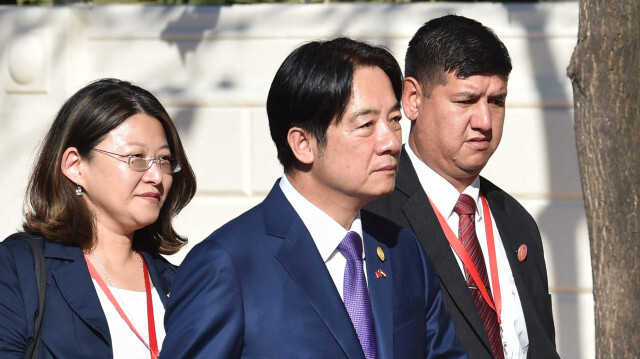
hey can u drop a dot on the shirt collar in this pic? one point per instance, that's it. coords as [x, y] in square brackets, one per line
[325, 231]
[442, 193]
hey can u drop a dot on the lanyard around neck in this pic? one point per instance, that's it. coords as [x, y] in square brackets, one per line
[153, 342]
[496, 302]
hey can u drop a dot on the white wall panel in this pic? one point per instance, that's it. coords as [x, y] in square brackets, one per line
[212, 67]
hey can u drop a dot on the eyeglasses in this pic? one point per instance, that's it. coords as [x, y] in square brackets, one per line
[167, 165]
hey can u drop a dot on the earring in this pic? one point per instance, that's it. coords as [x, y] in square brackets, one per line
[78, 190]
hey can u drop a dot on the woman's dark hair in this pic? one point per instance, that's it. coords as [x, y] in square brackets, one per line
[52, 208]
[313, 87]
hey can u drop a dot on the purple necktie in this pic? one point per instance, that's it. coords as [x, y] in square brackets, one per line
[466, 209]
[356, 296]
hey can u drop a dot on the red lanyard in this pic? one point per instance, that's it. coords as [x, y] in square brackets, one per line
[468, 263]
[153, 342]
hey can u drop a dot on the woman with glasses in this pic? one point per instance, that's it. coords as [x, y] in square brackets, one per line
[109, 179]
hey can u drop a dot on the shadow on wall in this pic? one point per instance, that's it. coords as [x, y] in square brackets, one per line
[186, 33]
[180, 32]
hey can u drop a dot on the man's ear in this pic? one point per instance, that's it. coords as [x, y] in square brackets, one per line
[302, 144]
[70, 165]
[411, 97]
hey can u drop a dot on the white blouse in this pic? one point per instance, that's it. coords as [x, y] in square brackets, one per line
[124, 342]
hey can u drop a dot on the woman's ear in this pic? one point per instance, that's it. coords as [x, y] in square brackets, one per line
[302, 145]
[70, 165]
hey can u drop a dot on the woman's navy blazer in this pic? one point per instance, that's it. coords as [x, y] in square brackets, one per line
[73, 324]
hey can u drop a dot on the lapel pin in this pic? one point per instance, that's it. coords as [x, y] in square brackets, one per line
[522, 253]
[380, 273]
[169, 295]
[380, 254]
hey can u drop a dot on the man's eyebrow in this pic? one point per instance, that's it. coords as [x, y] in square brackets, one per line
[465, 94]
[373, 111]
[366, 111]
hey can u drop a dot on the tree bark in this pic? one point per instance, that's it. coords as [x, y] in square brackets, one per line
[605, 73]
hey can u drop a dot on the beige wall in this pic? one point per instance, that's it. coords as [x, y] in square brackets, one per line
[212, 67]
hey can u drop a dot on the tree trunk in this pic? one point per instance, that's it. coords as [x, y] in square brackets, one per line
[605, 73]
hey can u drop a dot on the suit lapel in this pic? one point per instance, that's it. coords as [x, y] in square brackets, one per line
[508, 223]
[158, 271]
[302, 261]
[72, 281]
[380, 293]
[511, 236]
[508, 229]
[425, 225]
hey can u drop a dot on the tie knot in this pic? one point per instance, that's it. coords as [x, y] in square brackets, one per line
[351, 246]
[465, 205]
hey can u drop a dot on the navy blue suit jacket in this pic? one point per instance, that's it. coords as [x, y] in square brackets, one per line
[73, 325]
[258, 288]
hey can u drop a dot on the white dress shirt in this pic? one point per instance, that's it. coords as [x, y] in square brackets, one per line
[444, 196]
[325, 231]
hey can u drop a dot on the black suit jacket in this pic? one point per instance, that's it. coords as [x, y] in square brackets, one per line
[408, 206]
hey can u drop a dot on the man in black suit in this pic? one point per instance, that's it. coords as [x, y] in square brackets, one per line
[485, 246]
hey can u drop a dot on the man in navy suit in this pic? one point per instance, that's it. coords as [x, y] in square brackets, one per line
[454, 94]
[277, 282]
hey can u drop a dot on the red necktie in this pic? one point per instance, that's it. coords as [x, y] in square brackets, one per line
[466, 208]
